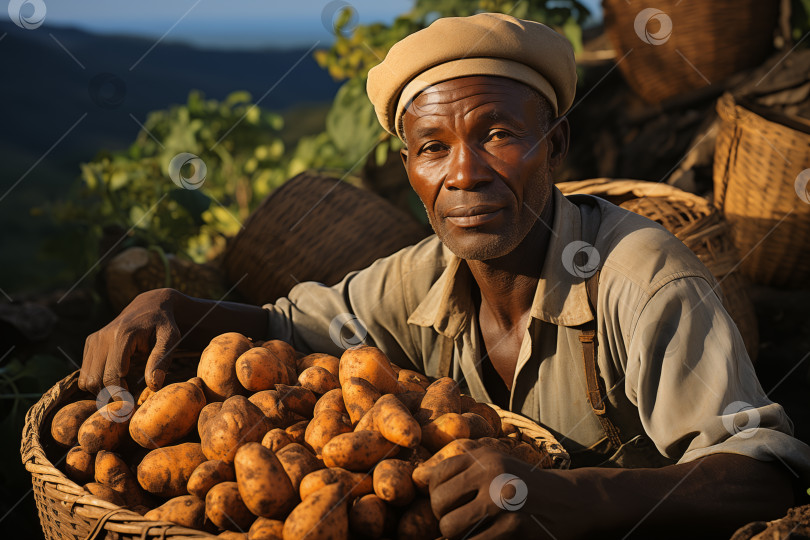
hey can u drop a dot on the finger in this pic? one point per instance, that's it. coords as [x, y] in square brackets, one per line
[117, 364]
[462, 521]
[454, 493]
[504, 525]
[160, 358]
[448, 468]
[92, 372]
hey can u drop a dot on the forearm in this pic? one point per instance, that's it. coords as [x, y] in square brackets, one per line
[200, 320]
[715, 494]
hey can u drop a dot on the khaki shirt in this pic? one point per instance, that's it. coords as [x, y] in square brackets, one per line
[672, 360]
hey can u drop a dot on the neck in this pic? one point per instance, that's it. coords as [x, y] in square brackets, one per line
[507, 284]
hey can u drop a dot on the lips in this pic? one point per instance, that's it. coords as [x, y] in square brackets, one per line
[473, 216]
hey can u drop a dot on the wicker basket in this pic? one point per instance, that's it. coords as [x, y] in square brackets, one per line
[709, 41]
[67, 511]
[314, 228]
[698, 225]
[756, 164]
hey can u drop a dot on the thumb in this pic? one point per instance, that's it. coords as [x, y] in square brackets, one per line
[160, 358]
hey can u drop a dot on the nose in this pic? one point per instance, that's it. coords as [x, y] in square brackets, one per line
[468, 170]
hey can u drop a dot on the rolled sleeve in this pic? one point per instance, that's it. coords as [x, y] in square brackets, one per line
[695, 387]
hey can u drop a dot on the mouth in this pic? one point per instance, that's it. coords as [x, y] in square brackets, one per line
[473, 216]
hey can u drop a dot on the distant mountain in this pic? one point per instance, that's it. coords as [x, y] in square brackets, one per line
[57, 78]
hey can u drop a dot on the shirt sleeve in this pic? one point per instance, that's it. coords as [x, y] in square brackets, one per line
[368, 306]
[695, 387]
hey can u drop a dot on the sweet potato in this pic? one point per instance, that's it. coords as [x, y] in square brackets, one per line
[413, 378]
[323, 515]
[226, 509]
[333, 399]
[440, 398]
[370, 364]
[448, 427]
[395, 422]
[326, 361]
[367, 516]
[269, 401]
[276, 439]
[393, 482]
[489, 414]
[113, 472]
[266, 529]
[324, 427]
[411, 400]
[357, 484]
[297, 432]
[166, 471]
[207, 475]
[369, 420]
[418, 522]
[467, 402]
[260, 369]
[298, 462]
[238, 422]
[359, 396]
[297, 399]
[283, 352]
[80, 466]
[206, 414]
[526, 452]
[105, 493]
[414, 456]
[478, 426]
[66, 423]
[185, 510]
[421, 474]
[167, 416]
[106, 428]
[233, 535]
[217, 367]
[264, 485]
[319, 380]
[144, 395]
[357, 451]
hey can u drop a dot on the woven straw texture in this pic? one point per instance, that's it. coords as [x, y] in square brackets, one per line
[314, 228]
[709, 41]
[756, 165]
[68, 512]
[698, 225]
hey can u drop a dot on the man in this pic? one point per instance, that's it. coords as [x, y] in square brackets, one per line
[668, 404]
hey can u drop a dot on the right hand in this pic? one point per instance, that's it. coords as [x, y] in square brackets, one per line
[147, 326]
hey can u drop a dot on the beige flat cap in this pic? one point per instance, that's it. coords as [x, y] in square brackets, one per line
[483, 44]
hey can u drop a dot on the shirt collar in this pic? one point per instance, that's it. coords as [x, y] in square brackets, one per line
[560, 297]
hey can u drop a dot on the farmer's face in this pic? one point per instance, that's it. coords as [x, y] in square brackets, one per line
[480, 155]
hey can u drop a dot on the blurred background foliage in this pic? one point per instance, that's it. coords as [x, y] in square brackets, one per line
[244, 147]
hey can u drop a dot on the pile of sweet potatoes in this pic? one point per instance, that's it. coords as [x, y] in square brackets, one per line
[266, 443]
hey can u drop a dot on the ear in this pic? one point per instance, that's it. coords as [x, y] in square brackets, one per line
[559, 138]
[403, 153]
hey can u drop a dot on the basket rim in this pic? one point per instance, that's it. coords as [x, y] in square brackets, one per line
[538, 434]
[616, 187]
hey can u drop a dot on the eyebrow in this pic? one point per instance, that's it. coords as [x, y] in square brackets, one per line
[424, 132]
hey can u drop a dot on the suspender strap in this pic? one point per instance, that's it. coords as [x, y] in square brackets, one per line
[446, 347]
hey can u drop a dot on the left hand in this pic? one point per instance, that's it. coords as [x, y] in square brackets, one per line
[465, 497]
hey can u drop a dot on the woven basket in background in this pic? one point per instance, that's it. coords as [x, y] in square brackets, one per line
[314, 228]
[756, 165]
[709, 41]
[696, 223]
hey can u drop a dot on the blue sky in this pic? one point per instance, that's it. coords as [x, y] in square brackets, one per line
[220, 23]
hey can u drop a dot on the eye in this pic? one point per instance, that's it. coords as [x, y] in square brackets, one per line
[499, 135]
[432, 147]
